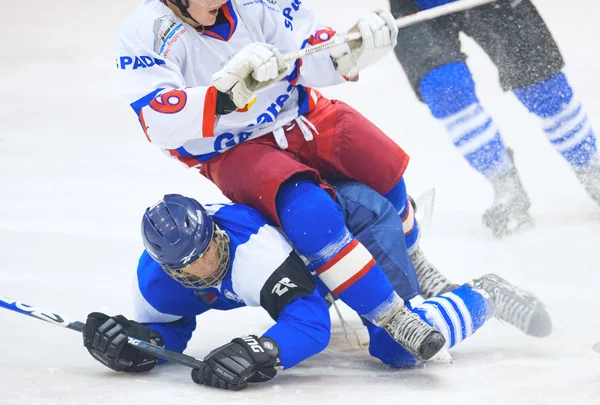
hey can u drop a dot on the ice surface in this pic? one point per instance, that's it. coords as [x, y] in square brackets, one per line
[76, 174]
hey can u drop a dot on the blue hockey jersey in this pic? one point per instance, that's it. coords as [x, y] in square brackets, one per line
[257, 252]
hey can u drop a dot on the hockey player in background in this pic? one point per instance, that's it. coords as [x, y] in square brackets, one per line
[210, 86]
[228, 256]
[530, 65]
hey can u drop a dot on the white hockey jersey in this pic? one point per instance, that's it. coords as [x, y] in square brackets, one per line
[165, 67]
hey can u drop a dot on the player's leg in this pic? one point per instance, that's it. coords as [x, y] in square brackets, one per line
[314, 223]
[293, 196]
[375, 222]
[567, 126]
[459, 313]
[530, 64]
[431, 57]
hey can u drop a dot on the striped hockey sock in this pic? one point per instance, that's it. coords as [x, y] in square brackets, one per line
[449, 91]
[457, 314]
[563, 119]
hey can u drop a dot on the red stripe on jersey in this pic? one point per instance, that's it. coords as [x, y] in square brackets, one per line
[210, 113]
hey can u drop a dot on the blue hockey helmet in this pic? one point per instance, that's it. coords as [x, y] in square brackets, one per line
[176, 231]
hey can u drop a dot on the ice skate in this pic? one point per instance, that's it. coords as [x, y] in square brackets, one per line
[431, 281]
[590, 179]
[515, 306]
[414, 334]
[510, 211]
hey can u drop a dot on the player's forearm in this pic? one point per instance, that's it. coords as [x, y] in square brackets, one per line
[302, 330]
[176, 335]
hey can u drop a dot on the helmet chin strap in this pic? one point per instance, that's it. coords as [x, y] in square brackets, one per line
[183, 5]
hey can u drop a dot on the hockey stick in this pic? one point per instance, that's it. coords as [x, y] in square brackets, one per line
[57, 319]
[425, 15]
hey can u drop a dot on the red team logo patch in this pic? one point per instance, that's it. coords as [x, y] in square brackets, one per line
[170, 102]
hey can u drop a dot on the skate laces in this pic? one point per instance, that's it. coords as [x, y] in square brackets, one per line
[510, 305]
[431, 281]
[408, 329]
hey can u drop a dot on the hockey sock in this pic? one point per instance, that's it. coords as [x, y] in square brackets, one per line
[563, 118]
[399, 198]
[315, 225]
[457, 314]
[386, 349]
[449, 91]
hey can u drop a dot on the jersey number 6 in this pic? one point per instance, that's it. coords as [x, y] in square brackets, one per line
[170, 102]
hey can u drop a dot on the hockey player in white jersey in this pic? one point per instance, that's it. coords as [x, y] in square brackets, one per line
[210, 86]
[227, 256]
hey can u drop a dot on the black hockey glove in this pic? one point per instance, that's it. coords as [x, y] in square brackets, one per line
[105, 338]
[234, 365]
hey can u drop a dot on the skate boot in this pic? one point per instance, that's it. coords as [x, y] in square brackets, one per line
[515, 306]
[414, 334]
[590, 179]
[431, 281]
[510, 210]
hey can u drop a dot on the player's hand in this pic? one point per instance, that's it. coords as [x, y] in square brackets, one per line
[253, 68]
[379, 35]
[105, 338]
[234, 365]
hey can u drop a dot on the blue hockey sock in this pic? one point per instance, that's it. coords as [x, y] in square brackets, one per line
[315, 225]
[399, 198]
[457, 314]
[563, 118]
[386, 349]
[449, 91]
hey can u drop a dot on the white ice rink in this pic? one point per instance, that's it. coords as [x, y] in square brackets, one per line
[76, 174]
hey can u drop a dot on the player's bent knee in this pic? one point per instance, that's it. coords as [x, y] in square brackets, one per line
[309, 216]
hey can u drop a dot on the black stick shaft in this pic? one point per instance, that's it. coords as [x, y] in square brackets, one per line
[77, 326]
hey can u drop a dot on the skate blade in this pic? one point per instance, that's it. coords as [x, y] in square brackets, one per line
[424, 211]
[443, 356]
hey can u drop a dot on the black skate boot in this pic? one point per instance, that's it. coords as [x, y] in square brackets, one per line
[510, 211]
[590, 179]
[515, 306]
[431, 281]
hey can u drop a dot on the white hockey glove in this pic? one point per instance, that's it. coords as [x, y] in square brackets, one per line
[253, 68]
[379, 35]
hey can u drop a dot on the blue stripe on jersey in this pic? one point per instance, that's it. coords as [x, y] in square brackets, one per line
[303, 100]
[144, 102]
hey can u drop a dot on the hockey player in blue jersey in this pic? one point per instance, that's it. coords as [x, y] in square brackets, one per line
[530, 65]
[228, 256]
